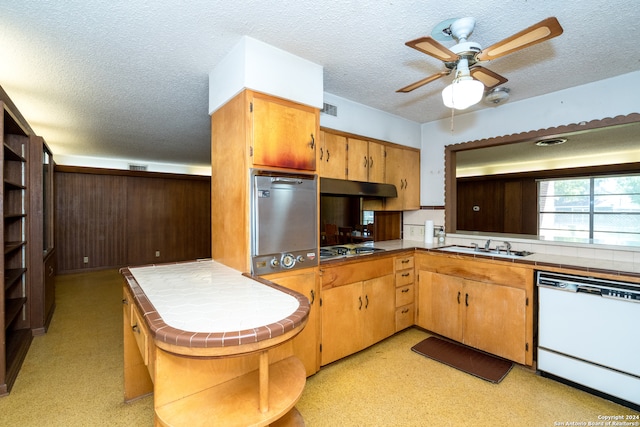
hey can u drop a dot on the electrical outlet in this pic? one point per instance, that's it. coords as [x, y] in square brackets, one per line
[415, 232]
[157, 254]
[85, 260]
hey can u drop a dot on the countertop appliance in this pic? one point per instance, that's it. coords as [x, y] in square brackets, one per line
[284, 225]
[588, 334]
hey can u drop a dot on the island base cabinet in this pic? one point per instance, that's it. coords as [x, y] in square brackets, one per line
[306, 344]
[216, 392]
[137, 375]
[254, 389]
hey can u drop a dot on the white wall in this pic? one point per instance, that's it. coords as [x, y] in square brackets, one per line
[256, 65]
[366, 121]
[123, 164]
[605, 98]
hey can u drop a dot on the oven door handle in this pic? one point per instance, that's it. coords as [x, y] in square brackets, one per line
[285, 180]
[589, 290]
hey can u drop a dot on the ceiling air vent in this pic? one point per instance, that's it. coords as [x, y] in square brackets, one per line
[551, 141]
[133, 167]
[329, 109]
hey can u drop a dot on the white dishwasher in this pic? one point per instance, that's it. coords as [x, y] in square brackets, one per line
[589, 334]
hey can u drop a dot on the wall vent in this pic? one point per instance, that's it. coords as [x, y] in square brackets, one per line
[329, 109]
[133, 167]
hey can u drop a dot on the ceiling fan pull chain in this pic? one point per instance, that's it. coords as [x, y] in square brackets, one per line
[452, 113]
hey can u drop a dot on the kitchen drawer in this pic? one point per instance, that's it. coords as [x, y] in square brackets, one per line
[141, 335]
[404, 262]
[404, 317]
[404, 295]
[127, 307]
[404, 277]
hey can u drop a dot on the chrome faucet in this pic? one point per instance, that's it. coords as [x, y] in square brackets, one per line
[487, 245]
[508, 245]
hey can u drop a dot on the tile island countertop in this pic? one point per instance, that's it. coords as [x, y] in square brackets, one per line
[207, 305]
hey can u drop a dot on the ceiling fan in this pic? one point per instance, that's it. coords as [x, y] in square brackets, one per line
[463, 58]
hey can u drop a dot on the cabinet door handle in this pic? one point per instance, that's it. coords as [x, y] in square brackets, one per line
[366, 162]
[405, 274]
[125, 301]
[405, 290]
[360, 299]
[458, 297]
[466, 300]
[405, 311]
[366, 297]
[404, 261]
[328, 155]
[370, 161]
[135, 328]
[406, 184]
[312, 143]
[321, 153]
[313, 297]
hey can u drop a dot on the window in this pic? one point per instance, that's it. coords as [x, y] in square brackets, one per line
[367, 217]
[605, 209]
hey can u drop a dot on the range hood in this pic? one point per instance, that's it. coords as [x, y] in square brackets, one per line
[343, 187]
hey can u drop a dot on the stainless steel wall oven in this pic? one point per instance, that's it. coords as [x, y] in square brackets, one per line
[284, 230]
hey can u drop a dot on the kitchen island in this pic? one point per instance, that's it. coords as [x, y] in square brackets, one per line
[213, 345]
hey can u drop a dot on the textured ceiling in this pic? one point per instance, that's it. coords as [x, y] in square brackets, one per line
[129, 79]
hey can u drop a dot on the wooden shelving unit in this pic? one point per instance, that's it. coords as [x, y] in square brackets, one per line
[243, 400]
[15, 328]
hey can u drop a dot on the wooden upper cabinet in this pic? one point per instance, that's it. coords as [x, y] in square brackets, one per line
[284, 133]
[403, 171]
[365, 160]
[376, 162]
[332, 156]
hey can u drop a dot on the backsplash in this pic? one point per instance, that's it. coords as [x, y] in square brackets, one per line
[413, 229]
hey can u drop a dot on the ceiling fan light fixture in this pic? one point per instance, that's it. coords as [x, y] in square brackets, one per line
[462, 93]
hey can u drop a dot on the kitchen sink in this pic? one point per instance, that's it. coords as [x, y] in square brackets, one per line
[481, 251]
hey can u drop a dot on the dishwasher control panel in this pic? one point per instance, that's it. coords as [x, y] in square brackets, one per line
[615, 289]
[621, 294]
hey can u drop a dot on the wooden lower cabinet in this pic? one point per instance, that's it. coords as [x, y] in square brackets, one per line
[306, 345]
[358, 307]
[481, 304]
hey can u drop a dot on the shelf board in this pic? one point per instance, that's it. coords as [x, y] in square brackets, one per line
[13, 185]
[10, 154]
[12, 308]
[237, 402]
[11, 276]
[13, 217]
[12, 246]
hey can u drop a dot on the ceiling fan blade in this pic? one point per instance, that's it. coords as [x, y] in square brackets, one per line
[543, 30]
[487, 77]
[424, 81]
[431, 47]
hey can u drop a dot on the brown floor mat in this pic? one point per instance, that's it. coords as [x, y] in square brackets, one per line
[464, 358]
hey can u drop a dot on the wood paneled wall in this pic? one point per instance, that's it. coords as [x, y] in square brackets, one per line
[121, 218]
[503, 205]
[508, 203]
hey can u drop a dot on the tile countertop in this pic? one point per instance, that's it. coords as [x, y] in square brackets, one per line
[207, 304]
[538, 259]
